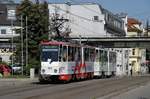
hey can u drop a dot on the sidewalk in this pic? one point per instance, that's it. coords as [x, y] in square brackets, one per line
[16, 81]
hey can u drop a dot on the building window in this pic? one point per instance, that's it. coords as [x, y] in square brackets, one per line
[11, 14]
[96, 18]
[2, 12]
[133, 51]
[3, 31]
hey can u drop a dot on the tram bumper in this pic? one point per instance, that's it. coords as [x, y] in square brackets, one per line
[45, 77]
[65, 77]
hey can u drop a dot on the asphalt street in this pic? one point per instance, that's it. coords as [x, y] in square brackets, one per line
[141, 92]
[112, 88]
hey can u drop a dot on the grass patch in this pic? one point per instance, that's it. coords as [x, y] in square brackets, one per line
[17, 76]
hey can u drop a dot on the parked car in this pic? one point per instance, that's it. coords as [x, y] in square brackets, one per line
[16, 68]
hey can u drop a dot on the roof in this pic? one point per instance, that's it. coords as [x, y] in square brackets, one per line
[74, 3]
[134, 25]
[133, 21]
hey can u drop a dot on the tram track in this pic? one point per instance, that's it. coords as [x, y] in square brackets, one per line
[22, 88]
[75, 90]
[69, 93]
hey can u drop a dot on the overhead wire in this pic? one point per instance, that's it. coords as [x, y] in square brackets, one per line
[81, 17]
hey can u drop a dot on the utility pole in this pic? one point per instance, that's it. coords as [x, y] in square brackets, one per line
[12, 44]
[26, 43]
[22, 43]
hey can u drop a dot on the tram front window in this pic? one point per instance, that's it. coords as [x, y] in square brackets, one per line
[49, 53]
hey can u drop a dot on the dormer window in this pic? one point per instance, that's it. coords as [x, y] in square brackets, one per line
[3, 31]
[96, 18]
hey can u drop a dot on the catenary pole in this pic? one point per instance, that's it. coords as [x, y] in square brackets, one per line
[26, 43]
[12, 44]
[22, 44]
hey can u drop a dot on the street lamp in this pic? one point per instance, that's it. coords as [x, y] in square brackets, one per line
[26, 43]
[12, 58]
[22, 44]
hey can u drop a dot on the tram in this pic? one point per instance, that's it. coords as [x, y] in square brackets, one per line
[105, 63]
[64, 61]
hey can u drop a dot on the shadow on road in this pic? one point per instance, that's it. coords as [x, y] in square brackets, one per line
[58, 82]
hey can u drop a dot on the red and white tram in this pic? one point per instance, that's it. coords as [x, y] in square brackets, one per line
[65, 61]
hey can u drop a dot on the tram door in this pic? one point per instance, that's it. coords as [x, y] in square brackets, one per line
[97, 63]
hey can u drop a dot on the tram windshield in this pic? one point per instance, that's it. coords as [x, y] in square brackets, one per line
[49, 52]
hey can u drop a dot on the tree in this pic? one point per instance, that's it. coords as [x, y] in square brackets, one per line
[59, 27]
[37, 19]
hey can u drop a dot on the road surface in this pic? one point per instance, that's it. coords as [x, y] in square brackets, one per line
[89, 89]
[142, 92]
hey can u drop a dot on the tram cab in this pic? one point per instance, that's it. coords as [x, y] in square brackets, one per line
[54, 61]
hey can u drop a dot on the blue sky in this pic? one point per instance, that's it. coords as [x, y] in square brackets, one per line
[135, 8]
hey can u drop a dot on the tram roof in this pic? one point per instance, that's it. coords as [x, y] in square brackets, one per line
[62, 43]
[54, 43]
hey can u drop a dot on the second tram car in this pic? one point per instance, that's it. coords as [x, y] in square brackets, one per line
[105, 63]
[63, 61]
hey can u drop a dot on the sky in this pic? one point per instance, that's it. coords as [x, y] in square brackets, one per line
[139, 9]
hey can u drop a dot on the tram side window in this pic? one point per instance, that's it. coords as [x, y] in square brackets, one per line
[113, 57]
[86, 54]
[92, 55]
[64, 52]
[70, 53]
[73, 53]
[79, 53]
[97, 56]
[105, 56]
[60, 52]
[77, 56]
[101, 55]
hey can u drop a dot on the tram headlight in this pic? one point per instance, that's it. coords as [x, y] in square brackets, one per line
[43, 70]
[55, 70]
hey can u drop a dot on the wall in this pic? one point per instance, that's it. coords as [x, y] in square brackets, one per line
[82, 19]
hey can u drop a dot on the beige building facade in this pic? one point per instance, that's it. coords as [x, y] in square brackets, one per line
[137, 56]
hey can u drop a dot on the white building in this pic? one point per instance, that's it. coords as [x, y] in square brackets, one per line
[91, 20]
[7, 33]
[137, 56]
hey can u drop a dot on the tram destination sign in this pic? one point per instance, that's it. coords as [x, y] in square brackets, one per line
[49, 47]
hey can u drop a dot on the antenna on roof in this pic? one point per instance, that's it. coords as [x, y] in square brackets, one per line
[68, 2]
